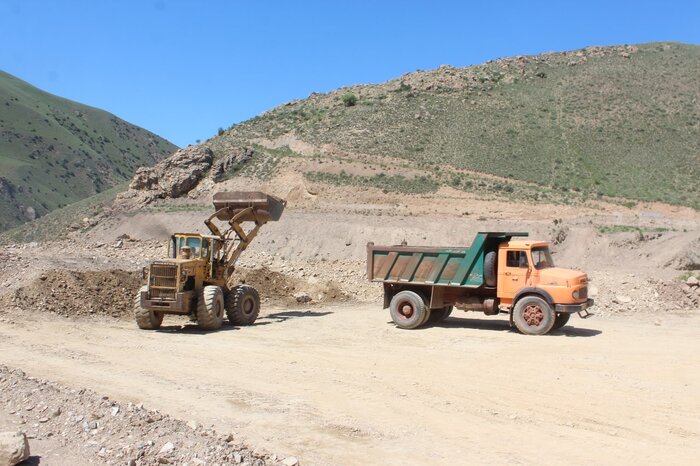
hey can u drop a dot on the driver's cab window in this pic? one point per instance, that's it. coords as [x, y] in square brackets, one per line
[205, 248]
[516, 259]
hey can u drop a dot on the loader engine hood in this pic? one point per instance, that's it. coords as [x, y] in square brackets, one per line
[557, 276]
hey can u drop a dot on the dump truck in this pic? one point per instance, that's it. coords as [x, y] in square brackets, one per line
[195, 278]
[498, 273]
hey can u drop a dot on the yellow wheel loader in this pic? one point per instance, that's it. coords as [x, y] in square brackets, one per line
[194, 279]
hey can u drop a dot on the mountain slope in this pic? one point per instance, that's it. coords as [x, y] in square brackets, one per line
[54, 151]
[621, 121]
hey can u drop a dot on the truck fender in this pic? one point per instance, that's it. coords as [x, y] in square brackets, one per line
[535, 291]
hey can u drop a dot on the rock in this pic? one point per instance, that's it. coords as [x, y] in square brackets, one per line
[692, 281]
[118, 245]
[302, 297]
[621, 299]
[290, 461]
[170, 178]
[198, 462]
[237, 458]
[14, 448]
[167, 448]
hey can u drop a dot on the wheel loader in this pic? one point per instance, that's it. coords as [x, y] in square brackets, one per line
[195, 278]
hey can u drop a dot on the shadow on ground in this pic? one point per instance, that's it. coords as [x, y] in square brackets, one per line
[498, 325]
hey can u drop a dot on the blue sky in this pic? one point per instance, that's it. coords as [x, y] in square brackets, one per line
[182, 69]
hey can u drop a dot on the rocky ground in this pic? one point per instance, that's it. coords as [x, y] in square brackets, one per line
[67, 426]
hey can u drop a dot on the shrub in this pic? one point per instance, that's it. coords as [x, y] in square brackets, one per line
[349, 99]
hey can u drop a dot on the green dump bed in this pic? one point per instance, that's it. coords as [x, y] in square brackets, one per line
[440, 266]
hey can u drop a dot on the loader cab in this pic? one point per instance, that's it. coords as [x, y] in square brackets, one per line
[199, 247]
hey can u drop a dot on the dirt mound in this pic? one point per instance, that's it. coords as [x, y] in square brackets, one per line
[71, 293]
[280, 288]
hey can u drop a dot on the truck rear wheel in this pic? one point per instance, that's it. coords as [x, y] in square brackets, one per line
[533, 316]
[210, 308]
[408, 310]
[145, 318]
[438, 315]
[561, 320]
[242, 305]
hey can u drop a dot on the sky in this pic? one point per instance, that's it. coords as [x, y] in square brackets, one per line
[183, 69]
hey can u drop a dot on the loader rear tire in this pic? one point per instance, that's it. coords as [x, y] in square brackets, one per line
[146, 319]
[210, 308]
[242, 305]
[408, 310]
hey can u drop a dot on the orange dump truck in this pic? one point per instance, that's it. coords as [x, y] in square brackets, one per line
[496, 274]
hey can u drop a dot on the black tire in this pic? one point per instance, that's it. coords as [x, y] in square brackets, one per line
[210, 308]
[438, 315]
[408, 310]
[242, 305]
[490, 263]
[146, 319]
[561, 320]
[533, 316]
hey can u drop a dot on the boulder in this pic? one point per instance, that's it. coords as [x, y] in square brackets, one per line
[172, 177]
[14, 448]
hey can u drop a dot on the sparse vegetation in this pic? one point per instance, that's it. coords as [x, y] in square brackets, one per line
[349, 99]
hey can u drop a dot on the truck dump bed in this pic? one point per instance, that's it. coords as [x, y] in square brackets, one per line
[445, 266]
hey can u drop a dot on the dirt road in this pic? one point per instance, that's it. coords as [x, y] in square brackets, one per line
[341, 385]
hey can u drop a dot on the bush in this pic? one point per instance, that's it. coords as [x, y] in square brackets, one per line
[221, 131]
[349, 100]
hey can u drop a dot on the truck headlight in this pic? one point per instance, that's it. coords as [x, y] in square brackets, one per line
[576, 293]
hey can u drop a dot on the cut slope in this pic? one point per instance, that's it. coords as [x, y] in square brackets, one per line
[618, 121]
[54, 151]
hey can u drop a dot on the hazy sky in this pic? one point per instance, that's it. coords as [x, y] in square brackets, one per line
[182, 69]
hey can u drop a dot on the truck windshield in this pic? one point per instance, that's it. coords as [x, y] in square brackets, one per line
[541, 257]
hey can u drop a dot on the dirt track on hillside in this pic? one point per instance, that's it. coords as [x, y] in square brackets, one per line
[339, 384]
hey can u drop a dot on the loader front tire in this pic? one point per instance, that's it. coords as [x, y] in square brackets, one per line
[146, 319]
[242, 305]
[210, 308]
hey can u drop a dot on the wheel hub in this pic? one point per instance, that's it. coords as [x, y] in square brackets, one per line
[406, 310]
[533, 315]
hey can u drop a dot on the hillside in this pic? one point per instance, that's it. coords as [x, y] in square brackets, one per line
[54, 152]
[619, 122]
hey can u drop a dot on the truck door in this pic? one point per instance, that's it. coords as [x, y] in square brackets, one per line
[513, 272]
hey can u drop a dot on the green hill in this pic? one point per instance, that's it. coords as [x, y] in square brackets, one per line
[621, 121]
[54, 152]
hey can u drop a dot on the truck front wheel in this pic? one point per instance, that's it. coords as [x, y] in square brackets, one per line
[145, 318]
[561, 320]
[533, 316]
[408, 310]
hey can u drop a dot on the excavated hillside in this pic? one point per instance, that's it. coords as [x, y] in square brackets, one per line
[553, 127]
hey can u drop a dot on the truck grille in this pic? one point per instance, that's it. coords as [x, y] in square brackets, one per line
[163, 276]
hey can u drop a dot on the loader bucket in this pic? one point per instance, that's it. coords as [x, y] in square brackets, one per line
[266, 207]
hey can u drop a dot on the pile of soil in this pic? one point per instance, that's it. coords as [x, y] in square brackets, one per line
[71, 293]
[283, 289]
